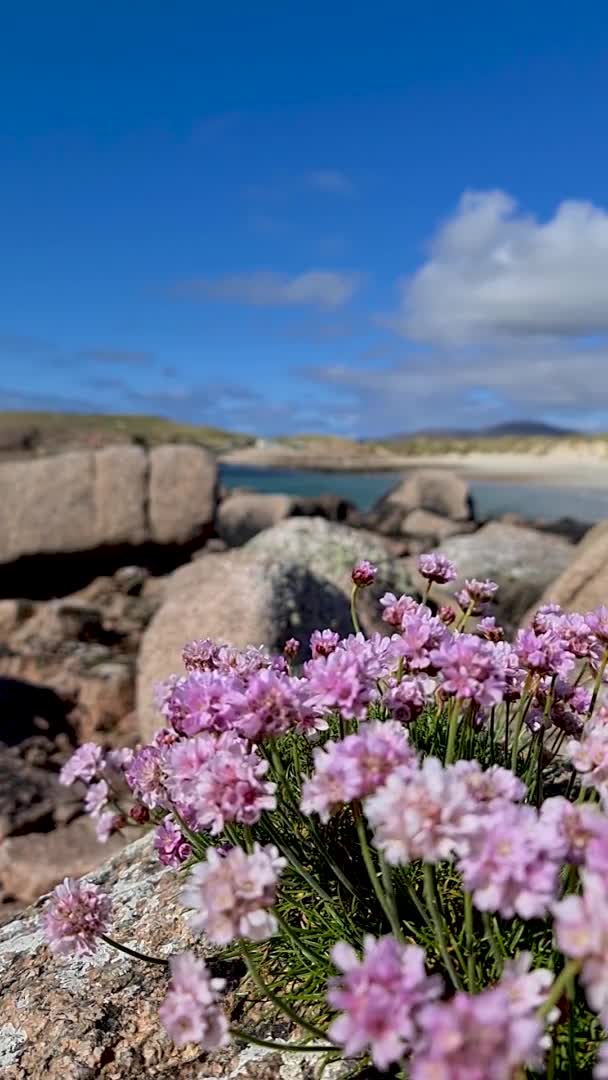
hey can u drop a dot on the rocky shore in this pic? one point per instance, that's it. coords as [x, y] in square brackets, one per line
[111, 559]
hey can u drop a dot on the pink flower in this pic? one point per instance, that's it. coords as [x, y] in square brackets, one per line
[590, 755]
[421, 634]
[486, 1036]
[422, 813]
[470, 670]
[543, 654]
[146, 776]
[511, 862]
[339, 682]
[581, 931]
[406, 699]
[96, 798]
[476, 594]
[488, 628]
[214, 779]
[272, 704]
[490, 788]
[364, 573]
[231, 895]
[436, 567]
[597, 621]
[169, 843]
[84, 764]
[355, 767]
[379, 997]
[323, 642]
[582, 829]
[75, 916]
[204, 701]
[106, 824]
[190, 1012]
[395, 609]
[291, 648]
[200, 655]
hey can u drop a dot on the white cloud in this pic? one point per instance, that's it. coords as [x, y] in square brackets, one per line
[496, 273]
[316, 288]
[330, 180]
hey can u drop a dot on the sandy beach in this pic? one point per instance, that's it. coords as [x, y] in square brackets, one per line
[582, 465]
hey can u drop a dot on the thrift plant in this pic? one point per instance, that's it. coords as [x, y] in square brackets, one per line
[405, 838]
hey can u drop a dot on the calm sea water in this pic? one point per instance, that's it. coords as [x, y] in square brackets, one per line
[491, 498]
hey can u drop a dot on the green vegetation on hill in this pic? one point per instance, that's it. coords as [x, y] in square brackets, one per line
[48, 431]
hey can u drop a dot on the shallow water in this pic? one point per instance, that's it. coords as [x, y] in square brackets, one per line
[491, 498]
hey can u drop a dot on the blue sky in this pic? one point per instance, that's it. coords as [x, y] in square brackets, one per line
[325, 217]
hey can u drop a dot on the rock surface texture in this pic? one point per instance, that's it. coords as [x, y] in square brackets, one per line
[84, 1019]
[583, 585]
[82, 500]
[286, 582]
[522, 561]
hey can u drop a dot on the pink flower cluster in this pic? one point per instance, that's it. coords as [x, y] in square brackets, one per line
[190, 1012]
[581, 932]
[75, 916]
[214, 779]
[487, 1036]
[231, 894]
[378, 998]
[436, 567]
[103, 774]
[169, 843]
[470, 670]
[355, 767]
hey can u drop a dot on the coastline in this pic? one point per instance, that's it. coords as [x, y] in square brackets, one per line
[557, 467]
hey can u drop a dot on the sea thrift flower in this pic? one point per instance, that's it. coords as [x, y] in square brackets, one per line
[421, 634]
[476, 594]
[231, 895]
[436, 567]
[597, 621]
[204, 701]
[200, 655]
[364, 573]
[214, 779]
[545, 617]
[395, 609]
[581, 931]
[488, 628]
[84, 764]
[271, 705]
[378, 998]
[139, 814]
[481, 1037]
[582, 829]
[590, 755]
[339, 682]
[190, 1012]
[107, 823]
[323, 642]
[146, 777]
[491, 788]
[96, 798]
[446, 615]
[75, 916]
[291, 648]
[405, 700]
[511, 863]
[422, 813]
[543, 654]
[468, 669]
[169, 843]
[355, 767]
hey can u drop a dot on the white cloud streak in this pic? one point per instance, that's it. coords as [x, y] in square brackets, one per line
[326, 289]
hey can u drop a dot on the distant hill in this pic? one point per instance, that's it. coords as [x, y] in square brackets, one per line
[44, 432]
[507, 429]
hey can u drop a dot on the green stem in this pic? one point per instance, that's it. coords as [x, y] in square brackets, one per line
[133, 953]
[297, 865]
[294, 1048]
[468, 927]
[431, 902]
[387, 880]
[453, 726]
[274, 999]
[521, 713]
[491, 939]
[353, 609]
[598, 682]
[290, 934]
[372, 873]
[570, 971]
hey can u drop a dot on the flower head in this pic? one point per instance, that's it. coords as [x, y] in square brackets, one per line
[291, 648]
[470, 670]
[437, 567]
[581, 931]
[545, 653]
[75, 916]
[355, 767]
[231, 895]
[190, 1012]
[421, 813]
[340, 682]
[169, 843]
[378, 998]
[146, 776]
[204, 701]
[395, 609]
[406, 699]
[323, 642]
[85, 763]
[476, 594]
[364, 573]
